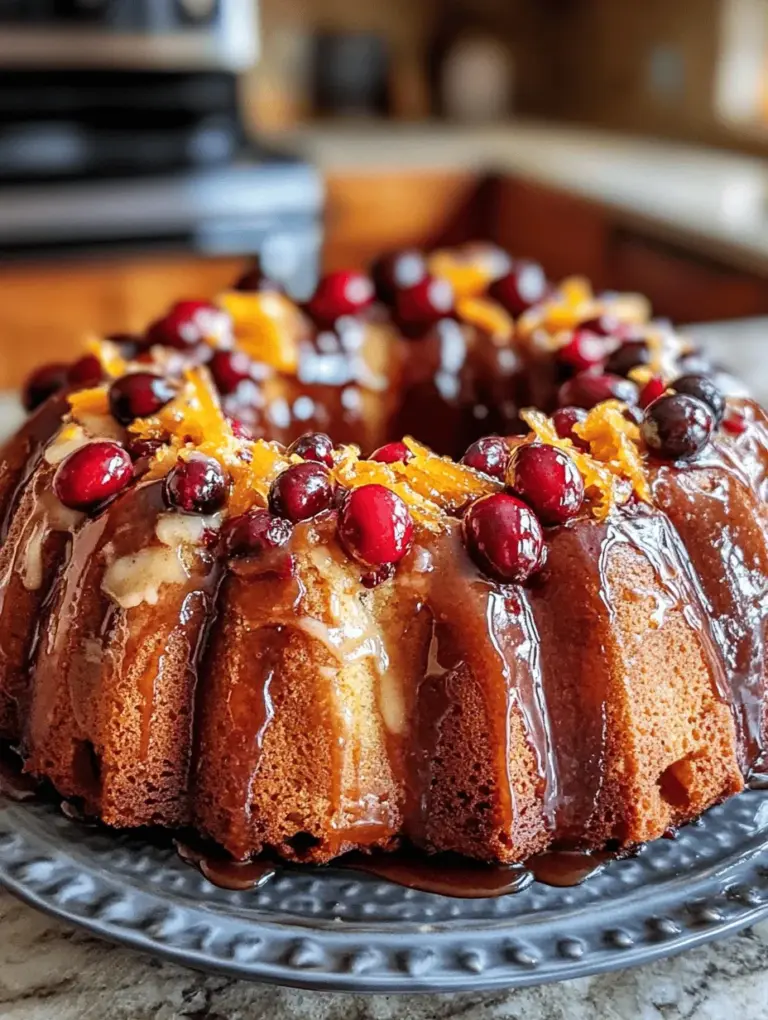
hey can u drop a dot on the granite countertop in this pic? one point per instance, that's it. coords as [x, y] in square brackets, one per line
[714, 202]
[48, 970]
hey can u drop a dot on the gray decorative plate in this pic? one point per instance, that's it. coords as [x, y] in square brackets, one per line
[336, 929]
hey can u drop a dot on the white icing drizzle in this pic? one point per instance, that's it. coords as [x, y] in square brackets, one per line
[131, 580]
[102, 425]
[66, 441]
[175, 529]
[51, 516]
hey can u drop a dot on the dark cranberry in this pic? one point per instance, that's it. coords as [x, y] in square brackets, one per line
[86, 371]
[397, 270]
[695, 362]
[128, 344]
[301, 491]
[653, 389]
[92, 474]
[489, 455]
[587, 389]
[392, 453]
[584, 350]
[677, 426]
[229, 369]
[524, 285]
[628, 356]
[255, 532]
[375, 525]
[548, 480]
[604, 325]
[254, 280]
[341, 293]
[197, 485]
[503, 537]
[141, 448]
[187, 324]
[43, 383]
[703, 387]
[564, 418]
[424, 304]
[139, 395]
[314, 446]
[239, 429]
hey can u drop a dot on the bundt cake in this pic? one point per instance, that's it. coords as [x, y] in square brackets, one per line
[212, 615]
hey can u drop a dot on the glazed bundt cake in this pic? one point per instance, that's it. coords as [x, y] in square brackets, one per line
[213, 615]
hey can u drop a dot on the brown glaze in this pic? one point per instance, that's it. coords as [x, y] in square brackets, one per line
[566, 868]
[237, 876]
[13, 783]
[444, 875]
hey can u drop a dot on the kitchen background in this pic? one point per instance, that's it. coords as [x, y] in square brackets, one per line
[148, 147]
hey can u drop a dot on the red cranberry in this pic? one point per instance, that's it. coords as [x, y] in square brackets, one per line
[92, 474]
[677, 426]
[735, 421]
[396, 271]
[229, 369]
[524, 285]
[587, 389]
[301, 491]
[340, 293]
[548, 480]
[628, 356]
[43, 383]
[703, 387]
[187, 324]
[197, 485]
[392, 453]
[255, 532]
[503, 537]
[424, 304]
[653, 389]
[564, 418]
[239, 429]
[139, 395]
[314, 446]
[604, 325]
[583, 351]
[375, 525]
[489, 455]
[86, 371]
[141, 448]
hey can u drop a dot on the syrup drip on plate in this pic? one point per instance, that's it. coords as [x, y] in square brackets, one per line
[233, 875]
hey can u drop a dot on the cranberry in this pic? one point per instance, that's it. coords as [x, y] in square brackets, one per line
[139, 395]
[587, 389]
[239, 429]
[503, 537]
[314, 446]
[229, 369]
[735, 421]
[392, 453]
[703, 387]
[255, 532]
[653, 389]
[187, 324]
[548, 480]
[254, 280]
[423, 304]
[91, 474]
[128, 344]
[340, 293]
[604, 325]
[677, 426]
[584, 350]
[301, 491]
[564, 418]
[86, 371]
[628, 356]
[141, 448]
[396, 271]
[489, 455]
[197, 485]
[43, 383]
[523, 286]
[375, 525]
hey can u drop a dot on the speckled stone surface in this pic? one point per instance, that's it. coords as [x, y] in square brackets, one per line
[49, 971]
